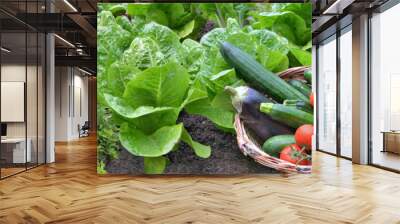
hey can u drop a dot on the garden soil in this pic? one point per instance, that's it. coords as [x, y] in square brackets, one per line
[226, 158]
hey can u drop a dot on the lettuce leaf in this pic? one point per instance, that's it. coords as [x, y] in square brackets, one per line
[270, 40]
[287, 24]
[214, 38]
[168, 40]
[144, 52]
[200, 150]
[156, 86]
[244, 41]
[155, 165]
[118, 76]
[220, 116]
[273, 60]
[186, 29]
[195, 55]
[123, 108]
[156, 144]
[300, 56]
[303, 10]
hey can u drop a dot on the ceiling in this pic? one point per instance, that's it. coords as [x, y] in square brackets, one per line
[332, 15]
[74, 22]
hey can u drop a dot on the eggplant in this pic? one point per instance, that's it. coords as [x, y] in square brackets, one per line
[246, 102]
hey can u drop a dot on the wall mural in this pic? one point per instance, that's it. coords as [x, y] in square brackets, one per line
[204, 88]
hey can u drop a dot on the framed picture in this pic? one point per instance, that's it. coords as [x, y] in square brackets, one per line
[204, 88]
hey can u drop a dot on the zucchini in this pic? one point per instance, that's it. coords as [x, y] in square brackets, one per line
[308, 76]
[298, 104]
[287, 115]
[274, 145]
[254, 73]
[301, 87]
[246, 102]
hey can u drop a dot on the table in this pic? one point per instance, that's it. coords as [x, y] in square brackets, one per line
[391, 141]
[18, 150]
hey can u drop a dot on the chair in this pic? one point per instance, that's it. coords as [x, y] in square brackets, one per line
[84, 130]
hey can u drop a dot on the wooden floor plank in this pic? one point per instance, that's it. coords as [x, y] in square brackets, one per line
[70, 191]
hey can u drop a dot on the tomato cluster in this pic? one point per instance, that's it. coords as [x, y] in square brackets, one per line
[298, 153]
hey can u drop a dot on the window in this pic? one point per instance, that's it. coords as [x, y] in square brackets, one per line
[346, 95]
[385, 89]
[327, 95]
[22, 77]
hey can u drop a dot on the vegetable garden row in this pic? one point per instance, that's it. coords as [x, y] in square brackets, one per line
[240, 65]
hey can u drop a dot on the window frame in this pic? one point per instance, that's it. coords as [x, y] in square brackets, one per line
[340, 30]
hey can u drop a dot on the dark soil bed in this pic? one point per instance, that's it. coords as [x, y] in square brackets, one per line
[225, 158]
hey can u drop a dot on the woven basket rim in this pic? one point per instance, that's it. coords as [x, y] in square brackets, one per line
[294, 73]
[295, 69]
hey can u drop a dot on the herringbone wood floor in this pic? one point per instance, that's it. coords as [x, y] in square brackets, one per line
[70, 191]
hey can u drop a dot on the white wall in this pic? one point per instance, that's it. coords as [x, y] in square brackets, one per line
[12, 73]
[80, 101]
[62, 82]
[33, 126]
[71, 96]
[13, 100]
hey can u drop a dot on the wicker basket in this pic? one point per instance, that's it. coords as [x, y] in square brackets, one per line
[250, 147]
[294, 73]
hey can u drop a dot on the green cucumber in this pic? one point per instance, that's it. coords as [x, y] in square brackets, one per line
[298, 104]
[118, 10]
[254, 73]
[274, 145]
[308, 76]
[288, 115]
[300, 86]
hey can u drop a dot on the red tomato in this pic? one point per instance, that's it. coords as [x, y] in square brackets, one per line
[294, 154]
[303, 136]
[312, 98]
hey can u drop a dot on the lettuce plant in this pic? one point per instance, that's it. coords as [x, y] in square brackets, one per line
[148, 111]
